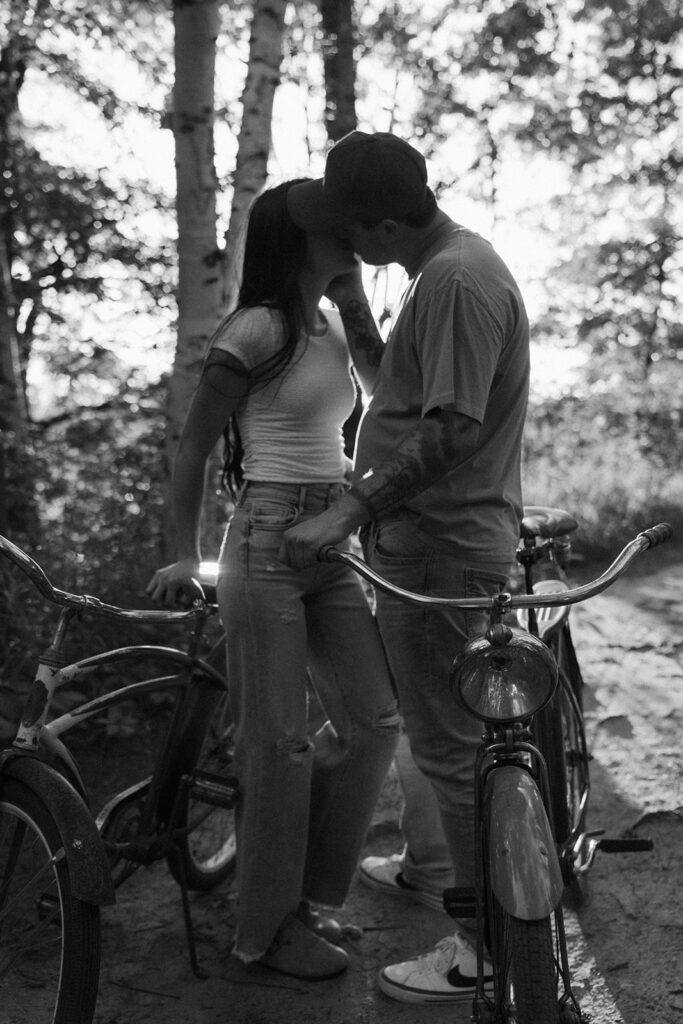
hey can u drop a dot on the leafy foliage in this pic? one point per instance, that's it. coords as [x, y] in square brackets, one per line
[611, 458]
[589, 92]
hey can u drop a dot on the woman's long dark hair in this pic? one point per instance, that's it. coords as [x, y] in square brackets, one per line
[274, 253]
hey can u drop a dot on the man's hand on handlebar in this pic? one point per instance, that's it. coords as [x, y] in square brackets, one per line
[176, 585]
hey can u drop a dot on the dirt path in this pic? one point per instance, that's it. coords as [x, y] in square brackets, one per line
[626, 940]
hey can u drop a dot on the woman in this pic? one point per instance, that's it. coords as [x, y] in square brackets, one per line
[278, 376]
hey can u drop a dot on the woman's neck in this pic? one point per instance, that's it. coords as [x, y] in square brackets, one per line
[311, 290]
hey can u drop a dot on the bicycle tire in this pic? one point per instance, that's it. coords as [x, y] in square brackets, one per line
[206, 850]
[534, 973]
[524, 970]
[49, 940]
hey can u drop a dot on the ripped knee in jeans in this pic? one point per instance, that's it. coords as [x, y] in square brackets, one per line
[387, 719]
[298, 749]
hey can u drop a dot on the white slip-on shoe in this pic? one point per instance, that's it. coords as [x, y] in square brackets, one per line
[385, 874]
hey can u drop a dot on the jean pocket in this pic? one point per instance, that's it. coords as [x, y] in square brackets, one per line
[268, 514]
[397, 544]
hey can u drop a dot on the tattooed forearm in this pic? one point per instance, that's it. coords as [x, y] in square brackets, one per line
[441, 442]
[365, 341]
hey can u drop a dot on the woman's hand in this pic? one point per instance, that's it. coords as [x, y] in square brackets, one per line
[347, 288]
[176, 584]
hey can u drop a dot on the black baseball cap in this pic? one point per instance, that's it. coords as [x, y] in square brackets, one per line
[367, 178]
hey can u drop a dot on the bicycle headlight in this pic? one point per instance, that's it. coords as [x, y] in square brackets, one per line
[506, 676]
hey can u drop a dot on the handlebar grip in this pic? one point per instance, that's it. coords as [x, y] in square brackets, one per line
[625, 845]
[658, 534]
[325, 553]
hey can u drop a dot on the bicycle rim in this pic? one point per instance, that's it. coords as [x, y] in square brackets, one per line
[562, 741]
[49, 940]
[575, 758]
[549, 731]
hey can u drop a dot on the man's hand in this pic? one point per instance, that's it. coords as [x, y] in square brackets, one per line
[301, 543]
[175, 584]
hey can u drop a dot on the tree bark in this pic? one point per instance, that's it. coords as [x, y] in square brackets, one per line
[251, 166]
[16, 485]
[339, 67]
[196, 30]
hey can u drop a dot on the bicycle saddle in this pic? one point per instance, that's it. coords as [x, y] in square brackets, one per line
[540, 521]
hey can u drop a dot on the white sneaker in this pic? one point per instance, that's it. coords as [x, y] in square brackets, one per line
[385, 874]
[447, 974]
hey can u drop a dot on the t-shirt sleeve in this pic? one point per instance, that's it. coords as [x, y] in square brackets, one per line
[459, 347]
[252, 336]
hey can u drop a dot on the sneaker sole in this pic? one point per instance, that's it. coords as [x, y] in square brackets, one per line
[405, 994]
[416, 895]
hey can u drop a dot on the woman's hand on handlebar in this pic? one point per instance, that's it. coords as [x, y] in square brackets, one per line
[176, 585]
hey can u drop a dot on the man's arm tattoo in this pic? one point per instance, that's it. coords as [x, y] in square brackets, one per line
[439, 444]
[362, 331]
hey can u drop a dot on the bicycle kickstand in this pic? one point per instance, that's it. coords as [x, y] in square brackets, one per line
[179, 864]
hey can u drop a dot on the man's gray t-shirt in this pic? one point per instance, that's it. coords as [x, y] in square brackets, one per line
[460, 342]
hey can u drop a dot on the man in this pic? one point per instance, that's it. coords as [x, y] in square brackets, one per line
[436, 482]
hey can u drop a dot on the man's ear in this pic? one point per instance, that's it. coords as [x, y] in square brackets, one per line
[388, 226]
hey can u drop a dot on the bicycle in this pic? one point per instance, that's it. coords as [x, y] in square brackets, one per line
[59, 863]
[531, 794]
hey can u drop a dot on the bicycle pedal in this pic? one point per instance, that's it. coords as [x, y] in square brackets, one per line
[49, 908]
[215, 789]
[624, 845]
[460, 902]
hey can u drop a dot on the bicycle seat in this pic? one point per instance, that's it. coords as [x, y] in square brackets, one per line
[540, 521]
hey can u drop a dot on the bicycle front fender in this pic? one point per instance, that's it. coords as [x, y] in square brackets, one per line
[524, 869]
[84, 850]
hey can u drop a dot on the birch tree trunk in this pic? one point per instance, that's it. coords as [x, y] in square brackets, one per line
[251, 166]
[196, 30]
[339, 68]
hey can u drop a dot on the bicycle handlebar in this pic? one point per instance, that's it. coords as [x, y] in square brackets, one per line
[84, 602]
[647, 539]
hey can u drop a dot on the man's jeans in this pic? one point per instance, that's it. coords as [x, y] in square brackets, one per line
[305, 804]
[421, 644]
[427, 862]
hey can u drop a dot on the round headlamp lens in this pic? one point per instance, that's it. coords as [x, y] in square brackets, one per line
[505, 683]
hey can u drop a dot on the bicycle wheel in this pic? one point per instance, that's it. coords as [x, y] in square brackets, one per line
[562, 741]
[207, 846]
[549, 733]
[525, 975]
[49, 940]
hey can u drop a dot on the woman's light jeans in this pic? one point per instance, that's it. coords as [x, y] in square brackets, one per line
[421, 644]
[305, 803]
